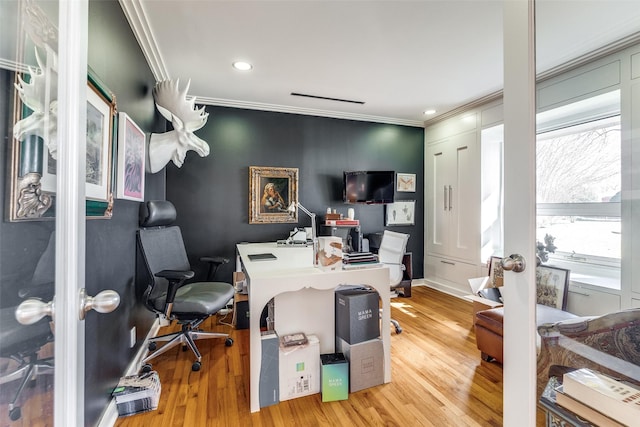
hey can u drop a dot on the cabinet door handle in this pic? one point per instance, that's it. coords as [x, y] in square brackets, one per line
[448, 262]
[445, 197]
[450, 198]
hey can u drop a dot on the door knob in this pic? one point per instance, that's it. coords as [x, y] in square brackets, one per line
[31, 310]
[105, 302]
[514, 263]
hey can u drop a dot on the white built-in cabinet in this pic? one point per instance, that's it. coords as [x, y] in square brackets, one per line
[451, 200]
[452, 168]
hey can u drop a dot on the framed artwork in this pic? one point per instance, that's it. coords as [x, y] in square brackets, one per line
[552, 286]
[34, 150]
[406, 182]
[271, 191]
[100, 125]
[401, 212]
[496, 273]
[131, 159]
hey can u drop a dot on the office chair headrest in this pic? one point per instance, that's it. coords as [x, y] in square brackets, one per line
[155, 213]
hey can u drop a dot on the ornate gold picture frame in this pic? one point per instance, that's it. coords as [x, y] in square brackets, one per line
[271, 191]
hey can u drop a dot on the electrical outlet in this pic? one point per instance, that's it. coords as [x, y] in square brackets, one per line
[132, 337]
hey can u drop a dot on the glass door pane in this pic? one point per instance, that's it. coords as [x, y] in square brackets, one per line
[28, 123]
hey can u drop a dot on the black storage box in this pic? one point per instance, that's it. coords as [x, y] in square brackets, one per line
[357, 314]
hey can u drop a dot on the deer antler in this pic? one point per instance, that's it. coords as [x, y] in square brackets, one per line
[177, 107]
[180, 110]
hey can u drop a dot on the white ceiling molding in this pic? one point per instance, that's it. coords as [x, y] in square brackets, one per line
[134, 12]
[304, 111]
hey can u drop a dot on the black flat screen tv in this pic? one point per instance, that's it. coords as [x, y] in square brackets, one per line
[370, 187]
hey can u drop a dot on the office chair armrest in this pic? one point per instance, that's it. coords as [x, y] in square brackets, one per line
[402, 266]
[175, 275]
[176, 279]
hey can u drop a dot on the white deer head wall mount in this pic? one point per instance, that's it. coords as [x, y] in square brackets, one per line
[180, 110]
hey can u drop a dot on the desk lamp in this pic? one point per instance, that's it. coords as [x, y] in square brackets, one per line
[314, 238]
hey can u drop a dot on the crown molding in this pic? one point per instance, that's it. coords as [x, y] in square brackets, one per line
[137, 18]
[305, 111]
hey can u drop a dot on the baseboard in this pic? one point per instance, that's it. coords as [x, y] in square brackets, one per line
[110, 414]
[450, 290]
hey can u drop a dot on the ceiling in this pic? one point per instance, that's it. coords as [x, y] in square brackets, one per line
[396, 58]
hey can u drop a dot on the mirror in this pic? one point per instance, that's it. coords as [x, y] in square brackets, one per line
[34, 134]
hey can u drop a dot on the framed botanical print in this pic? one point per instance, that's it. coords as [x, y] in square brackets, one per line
[401, 212]
[271, 191]
[131, 159]
[552, 286]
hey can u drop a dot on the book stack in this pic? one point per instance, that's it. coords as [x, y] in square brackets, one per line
[137, 393]
[599, 399]
[344, 222]
[355, 260]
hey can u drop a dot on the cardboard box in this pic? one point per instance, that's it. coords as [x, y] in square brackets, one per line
[300, 369]
[366, 363]
[269, 388]
[357, 314]
[240, 282]
[335, 377]
[330, 253]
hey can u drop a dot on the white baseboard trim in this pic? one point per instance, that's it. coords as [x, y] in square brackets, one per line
[446, 289]
[110, 414]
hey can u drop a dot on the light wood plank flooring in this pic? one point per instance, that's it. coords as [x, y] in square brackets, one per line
[438, 379]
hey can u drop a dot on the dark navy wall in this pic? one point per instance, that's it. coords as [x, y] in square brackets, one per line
[211, 193]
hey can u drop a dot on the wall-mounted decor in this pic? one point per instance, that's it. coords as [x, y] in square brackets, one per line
[185, 118]
[496, 272]
[406, 182]
[552, 286]
[131, 159]
[34, 147]
[271, 191]
[401, 212]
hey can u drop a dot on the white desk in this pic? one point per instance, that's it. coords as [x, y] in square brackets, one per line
[310, 309]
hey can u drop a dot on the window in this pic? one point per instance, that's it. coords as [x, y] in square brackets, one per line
[579, 186]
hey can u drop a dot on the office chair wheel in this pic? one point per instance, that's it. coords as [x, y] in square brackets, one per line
[398, 330]
[15, 414]
[228, 342]
[196, 366]
[152, 346]
[146, 368]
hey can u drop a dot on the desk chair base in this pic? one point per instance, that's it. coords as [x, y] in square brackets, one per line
[186, 337]
[27, 371]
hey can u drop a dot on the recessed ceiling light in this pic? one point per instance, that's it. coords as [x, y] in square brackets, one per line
[429, 112]
[242, 66]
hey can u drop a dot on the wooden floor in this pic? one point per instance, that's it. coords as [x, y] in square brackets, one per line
[438, 379]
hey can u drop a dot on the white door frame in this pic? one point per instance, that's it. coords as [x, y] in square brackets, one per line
[519, 402]
[70, 212]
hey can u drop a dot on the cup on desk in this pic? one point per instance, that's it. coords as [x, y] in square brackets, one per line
[351, 213]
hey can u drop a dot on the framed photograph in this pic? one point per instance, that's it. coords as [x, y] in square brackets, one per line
[401, 212]
[406, 182]
[496, 273]
[552, 286]
[271, 191]
[131, 159]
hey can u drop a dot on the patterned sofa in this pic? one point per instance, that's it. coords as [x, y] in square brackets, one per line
[609, 344]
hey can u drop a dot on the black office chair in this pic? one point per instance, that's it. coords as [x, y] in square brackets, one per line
[22, 343]
[168, 294]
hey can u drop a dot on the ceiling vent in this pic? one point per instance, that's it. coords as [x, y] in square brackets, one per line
[326, 98]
